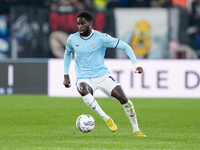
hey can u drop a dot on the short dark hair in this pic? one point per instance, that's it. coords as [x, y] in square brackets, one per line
[87, 15]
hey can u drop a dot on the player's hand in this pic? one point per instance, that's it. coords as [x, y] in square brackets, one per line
[66, 81]
[139, 70]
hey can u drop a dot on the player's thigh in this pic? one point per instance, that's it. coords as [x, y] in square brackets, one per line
[108, 84]
[85, 86]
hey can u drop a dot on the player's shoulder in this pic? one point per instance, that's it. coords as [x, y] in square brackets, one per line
[100, 33]
[73, 35]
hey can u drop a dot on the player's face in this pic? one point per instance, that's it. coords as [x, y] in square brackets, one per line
[84, 26]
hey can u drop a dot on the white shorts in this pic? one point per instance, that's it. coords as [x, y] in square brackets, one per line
[104, 83]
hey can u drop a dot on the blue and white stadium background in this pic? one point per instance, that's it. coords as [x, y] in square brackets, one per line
[32, 70]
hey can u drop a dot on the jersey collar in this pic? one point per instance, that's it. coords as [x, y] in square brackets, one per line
[87, 37]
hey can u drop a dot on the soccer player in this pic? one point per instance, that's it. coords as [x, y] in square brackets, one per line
[89, 47]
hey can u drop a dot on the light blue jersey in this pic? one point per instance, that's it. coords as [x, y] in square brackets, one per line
[90, 52]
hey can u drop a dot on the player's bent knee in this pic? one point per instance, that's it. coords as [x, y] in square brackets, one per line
[84, 89]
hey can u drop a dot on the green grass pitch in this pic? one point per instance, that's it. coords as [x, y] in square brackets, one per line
[38, 122]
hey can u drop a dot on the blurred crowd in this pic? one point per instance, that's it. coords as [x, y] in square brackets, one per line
[63, 6]
[102, 5]
[90, 5]
[191, 7]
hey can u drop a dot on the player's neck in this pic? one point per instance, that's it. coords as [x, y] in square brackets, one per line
[88, 35]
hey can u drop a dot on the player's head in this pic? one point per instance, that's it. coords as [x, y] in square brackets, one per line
[85, 14]
[84, 22]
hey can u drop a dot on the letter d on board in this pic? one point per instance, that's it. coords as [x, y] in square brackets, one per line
[190, 74]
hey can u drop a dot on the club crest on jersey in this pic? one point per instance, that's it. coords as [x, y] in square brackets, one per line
[93, 44]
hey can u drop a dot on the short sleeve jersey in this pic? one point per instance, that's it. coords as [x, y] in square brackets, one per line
[90, 52]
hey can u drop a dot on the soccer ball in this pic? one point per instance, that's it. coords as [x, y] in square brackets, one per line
[85, 123]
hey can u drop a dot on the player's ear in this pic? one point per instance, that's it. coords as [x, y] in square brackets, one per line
[90, 23]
